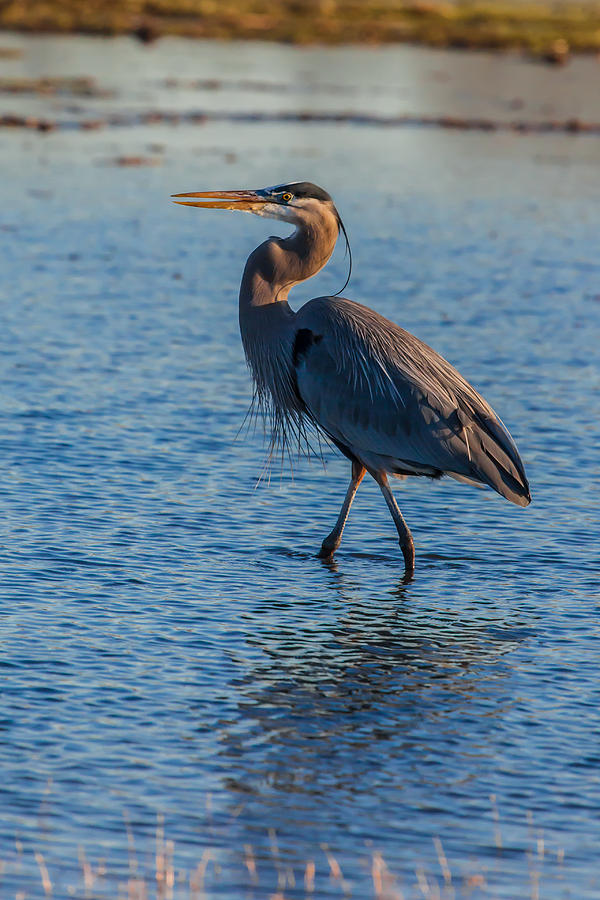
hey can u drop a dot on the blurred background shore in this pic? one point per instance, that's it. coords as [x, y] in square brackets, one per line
[547, 30]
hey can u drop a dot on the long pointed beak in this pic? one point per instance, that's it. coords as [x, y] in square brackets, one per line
[246, 200]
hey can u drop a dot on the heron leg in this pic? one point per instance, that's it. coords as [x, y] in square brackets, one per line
[333, 540]
[406, 542]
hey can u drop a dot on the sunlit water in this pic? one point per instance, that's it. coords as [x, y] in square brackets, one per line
[173, 655]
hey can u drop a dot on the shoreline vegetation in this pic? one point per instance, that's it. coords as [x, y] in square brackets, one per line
[265, 872]
[545, 30]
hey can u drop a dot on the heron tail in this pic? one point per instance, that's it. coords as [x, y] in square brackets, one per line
[496, 461]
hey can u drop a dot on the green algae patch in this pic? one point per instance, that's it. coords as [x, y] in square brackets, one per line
[547, 30]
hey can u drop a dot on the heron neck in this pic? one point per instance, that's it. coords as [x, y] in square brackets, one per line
[266, 319]
[277, 265]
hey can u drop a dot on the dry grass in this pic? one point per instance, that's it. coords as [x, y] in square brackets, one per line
[159, 877]
[547, 29]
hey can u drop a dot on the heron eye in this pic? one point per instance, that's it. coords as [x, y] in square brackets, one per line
[286, 197]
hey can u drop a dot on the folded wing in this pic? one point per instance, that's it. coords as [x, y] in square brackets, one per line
[388, 399]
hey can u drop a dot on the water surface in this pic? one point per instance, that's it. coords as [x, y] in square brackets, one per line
[174, 657]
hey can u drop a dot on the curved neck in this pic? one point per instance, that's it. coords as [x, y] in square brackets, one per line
[280, 263]
[266, 320]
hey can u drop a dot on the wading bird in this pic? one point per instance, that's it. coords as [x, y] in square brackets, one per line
[389, 402]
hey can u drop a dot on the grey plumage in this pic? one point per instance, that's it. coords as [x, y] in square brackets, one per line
[388, 401]
[398, 405]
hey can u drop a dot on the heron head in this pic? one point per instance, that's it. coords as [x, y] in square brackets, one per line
[298, 202]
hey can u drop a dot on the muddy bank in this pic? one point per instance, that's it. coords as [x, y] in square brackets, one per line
[546, 30]
[86, 84]
[198, 117]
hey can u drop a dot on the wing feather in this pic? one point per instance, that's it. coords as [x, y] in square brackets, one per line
[396, 404]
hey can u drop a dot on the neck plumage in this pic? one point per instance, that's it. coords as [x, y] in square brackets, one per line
[266, 320]
[280, 263]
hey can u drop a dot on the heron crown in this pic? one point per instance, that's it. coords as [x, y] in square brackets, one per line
[302, 190]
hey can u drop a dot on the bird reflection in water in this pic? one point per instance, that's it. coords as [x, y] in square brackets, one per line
[363, 707]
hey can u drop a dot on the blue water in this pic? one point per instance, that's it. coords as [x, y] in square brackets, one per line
[175, 661]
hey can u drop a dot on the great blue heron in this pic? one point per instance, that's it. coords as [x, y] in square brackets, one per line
[389, 402]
